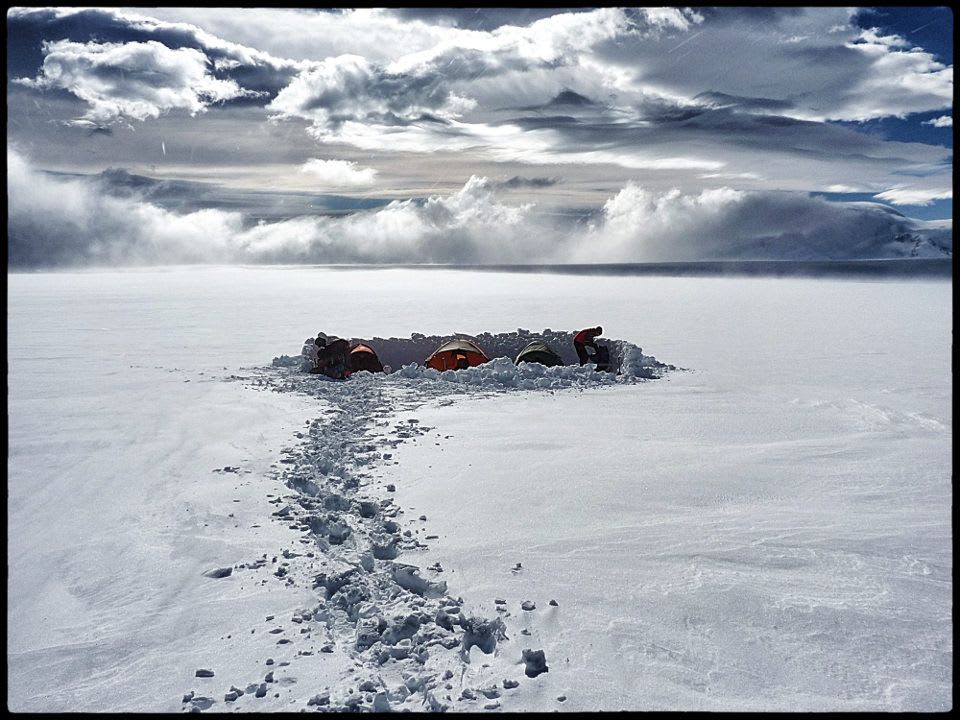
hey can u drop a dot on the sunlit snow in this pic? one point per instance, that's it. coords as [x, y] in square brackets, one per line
[758, 518]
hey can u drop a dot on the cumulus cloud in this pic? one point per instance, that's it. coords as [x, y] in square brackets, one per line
[910, 195]
[617, 86]
[898, 80]
[350, 87]
[944, 121]
[65, 222]
[339, 173]
[734, 95]
[136, 80]
[253, 68]
[433, 87]
[726, 224]
[60, 221]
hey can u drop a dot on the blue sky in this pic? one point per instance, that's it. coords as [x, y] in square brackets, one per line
[503, 116]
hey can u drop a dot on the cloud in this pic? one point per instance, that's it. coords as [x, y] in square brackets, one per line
[259, 72]
[435, 84]
[63, 221]
[734, 95]
[524, 182]
[809, 63]
[944, 121]
[339, 173]
[56, 222]
[309, 35]
[909, 195]
[726, 224]
[897, 81]
[350, 87]
[132, 80]
[636, 88]
[480, 18]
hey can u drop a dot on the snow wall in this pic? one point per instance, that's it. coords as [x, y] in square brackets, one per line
[408, 355]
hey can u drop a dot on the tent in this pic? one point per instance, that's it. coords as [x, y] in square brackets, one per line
[362, 357]
[456, 354]
[539, 352]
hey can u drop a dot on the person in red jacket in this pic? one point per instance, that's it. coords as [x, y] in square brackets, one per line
[582, 339]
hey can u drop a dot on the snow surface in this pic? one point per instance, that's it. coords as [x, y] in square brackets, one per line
[768, 529]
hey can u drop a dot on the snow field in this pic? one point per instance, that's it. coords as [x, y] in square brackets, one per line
[769, 530]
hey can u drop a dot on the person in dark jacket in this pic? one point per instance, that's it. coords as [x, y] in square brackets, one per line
[337, 356]
[333, 358]
[584, 338]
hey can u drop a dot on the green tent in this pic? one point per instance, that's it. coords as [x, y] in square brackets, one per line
[539, 352]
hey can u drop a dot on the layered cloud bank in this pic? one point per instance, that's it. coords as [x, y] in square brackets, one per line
[395, 99]
[63, 222]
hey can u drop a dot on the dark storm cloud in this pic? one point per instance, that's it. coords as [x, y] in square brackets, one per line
[726, 127]
[757, 13]
[744, 103]
[565, 99]
[539, 121]
[524, 182]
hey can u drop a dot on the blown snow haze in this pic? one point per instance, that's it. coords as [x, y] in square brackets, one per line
[74, 221]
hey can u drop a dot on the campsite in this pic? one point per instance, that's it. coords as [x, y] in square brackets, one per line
[720, 520]
[479, 359]
[459, 353]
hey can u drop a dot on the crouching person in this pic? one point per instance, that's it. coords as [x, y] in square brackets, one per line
[310, 351]
[333, 359]
[584, 339]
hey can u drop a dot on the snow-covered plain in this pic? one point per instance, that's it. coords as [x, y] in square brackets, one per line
[767, 529]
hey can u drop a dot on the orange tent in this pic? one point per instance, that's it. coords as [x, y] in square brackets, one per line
[456, 354]
[362, 357]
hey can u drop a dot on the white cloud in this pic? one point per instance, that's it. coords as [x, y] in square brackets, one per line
[63, 222]
[895, 83]
[944, 121]
[841, 188]
[728, 224]
[374, 80]
[817, 62]
[151, 24]
[456, 94]
[504, 143]
[351, 87]
[71, 222]
[468, 226]
[909, 195]
[136, 80]
[671, 18]
[308, 35]
[338, 173]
